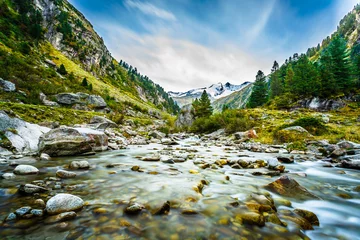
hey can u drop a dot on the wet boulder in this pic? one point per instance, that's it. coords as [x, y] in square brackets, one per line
[63, 202]
[101, 123]
[31, 188]
[25, 170]
[309, 216]
[68, 141]
[353, 164]
[288, 187]
[79, 165]
[65, 174]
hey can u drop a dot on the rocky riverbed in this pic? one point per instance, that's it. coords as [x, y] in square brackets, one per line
[181, 188]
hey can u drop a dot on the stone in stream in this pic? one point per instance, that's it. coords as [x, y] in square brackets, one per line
[154, 158]
[8, 176]
[285, 158]
[65, 216]
[25, 170]
[66, 141]
[288, 187]
[22, 211]
[338, 153]
[354, 164]
[37, 212]
[31, 188]
[65, 174]
[251, 218]
[134, 208]
[44, 157]
[10, 217]
[310, 216]
[79, 165]
[63, 202]
[165, 209]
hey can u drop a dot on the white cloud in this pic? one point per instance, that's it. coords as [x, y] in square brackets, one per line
[149, 9]
[260, 25]
[178, 65]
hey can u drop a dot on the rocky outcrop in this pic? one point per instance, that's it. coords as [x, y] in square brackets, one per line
[72, 141]
[80, 100]
[46, 102]
[101, 123]
[7, 86]
[22, 135]
[185, 118]
[93, 53]
[321, 104]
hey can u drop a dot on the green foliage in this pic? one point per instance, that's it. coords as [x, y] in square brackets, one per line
[286, 136]
[313, 125]
[64, 27]
[202, 108]
[230, 120]
[259, 94]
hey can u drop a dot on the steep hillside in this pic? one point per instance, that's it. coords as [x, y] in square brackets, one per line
[215, 91]
[47, 46]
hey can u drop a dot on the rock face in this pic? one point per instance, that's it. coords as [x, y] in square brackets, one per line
[7, 86]
[72, 141]
[23, 136]
[185, 118]
[288, 187]
[46, 102]
[321, 104]
[63, 203]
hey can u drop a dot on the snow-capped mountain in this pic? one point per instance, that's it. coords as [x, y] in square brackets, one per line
[215, 91]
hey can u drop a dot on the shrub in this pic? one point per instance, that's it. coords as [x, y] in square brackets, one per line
[62, 70]
[117, 118]
[286, 136]
[314, 125]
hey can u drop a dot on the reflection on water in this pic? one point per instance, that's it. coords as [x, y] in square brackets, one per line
[208, 215]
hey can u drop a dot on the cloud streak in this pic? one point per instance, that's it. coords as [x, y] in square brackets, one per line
[178, 65]
[150, 9]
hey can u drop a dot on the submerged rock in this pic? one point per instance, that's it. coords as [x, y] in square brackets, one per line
[60, 217]
[31, 188]
[134, 208]
[63, 202]
[67, 141]
[288, 187]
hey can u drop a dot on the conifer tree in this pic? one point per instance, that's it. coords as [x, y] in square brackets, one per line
[62, 70]
[259, 94]
[202, 107]
[84, 82]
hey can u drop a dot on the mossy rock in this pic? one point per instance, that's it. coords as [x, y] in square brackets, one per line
[289, 136]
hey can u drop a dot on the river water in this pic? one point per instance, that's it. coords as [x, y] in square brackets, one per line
[193, 215]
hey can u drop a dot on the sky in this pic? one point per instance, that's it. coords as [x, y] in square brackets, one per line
[185, 44]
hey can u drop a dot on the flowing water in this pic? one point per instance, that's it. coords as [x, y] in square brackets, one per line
[193, 215]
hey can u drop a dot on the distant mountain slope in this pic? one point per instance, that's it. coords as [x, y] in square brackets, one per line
[235, 100]
[215, 91]
[36, 34]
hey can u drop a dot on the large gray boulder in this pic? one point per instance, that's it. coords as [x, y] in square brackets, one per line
[186, 118]
[7, 86]
[66, 141]
[67, 98]
[96, 101]
[23, 136]
[63, 202]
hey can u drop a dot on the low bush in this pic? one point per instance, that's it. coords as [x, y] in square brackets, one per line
[313, 125]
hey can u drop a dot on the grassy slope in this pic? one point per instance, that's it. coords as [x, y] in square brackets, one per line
[343, 123]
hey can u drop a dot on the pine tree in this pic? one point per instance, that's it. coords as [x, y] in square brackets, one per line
[62, 70]
[275, 82]
[289, 78]
[340, 64]
[306, 81]
[84, 82]
[202, 107]
[259, 94]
